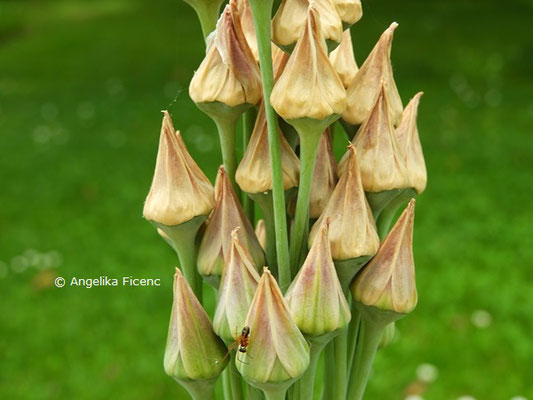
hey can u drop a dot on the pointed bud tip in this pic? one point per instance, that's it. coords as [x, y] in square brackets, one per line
[235, 233]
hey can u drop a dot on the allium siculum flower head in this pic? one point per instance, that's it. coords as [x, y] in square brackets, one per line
[193, 350]
[352, 231]
[368, 83]
[379, 153]
[254, 174]
[226, 216]
[343, 60]
[180, 191]
[407, 133]
[260, 232]
[237, 287]
[309, 87]
[387, 282]
[350, 11]
[278, 351]
[290, 21]
[315, 298]
[247, 23]
[229, 73]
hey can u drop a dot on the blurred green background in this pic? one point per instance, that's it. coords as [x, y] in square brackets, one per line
[81, 87]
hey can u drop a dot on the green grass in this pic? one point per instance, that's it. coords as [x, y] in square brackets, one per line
[81, 87]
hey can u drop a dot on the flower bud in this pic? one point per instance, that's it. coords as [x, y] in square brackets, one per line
[193, 350]
[409, 141]
[315, 298]
[343, 60]
[229, 73]
[226, 216]
[352, 231]
[380, 157]
[260, 233]
[279, 61]
[237, 287]
[387, 282]
[309, 87]
[367, 84]
[247, 23]
[278, 352]
[180, 191]
[254, 174]
[350, 11]
[290, 21]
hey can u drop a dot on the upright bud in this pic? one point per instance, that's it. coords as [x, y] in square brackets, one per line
[193, 352]
[368, 83]
[343, 59]
[350, 11]
[315, 298]
[278, 353]
[237, 287]
[227, 215]
[409, 141]
[290, 20]
[180, 191]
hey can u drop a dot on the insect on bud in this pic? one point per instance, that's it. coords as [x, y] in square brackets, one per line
[343, 59]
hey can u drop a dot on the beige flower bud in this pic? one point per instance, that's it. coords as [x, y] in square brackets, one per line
[229, 73]
[193, 351]
[247, 23]
[260, 232]
[309, 87]
[226, 216]
[254, 174]
[343, 59]
[290, 21]
[387, 282]
[237, 287]
[350, 11]
[279, 61]
[180, 191]
[409, 141]
[380, 158]
[352, 231]
[315, 298]
[278, 352]
[367, 84]
[324, 176]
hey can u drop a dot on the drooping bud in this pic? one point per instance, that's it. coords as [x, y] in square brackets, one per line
[315, 298]
[247, 23]
[378, 150]
[343, 59]
[350, 11]
[228, 76]
[387, 282]
[367, 84]
[290, 21]
[180, 191]
[226, 216]
[309, 87]
[278, 352]
[237, 287]
[254, 174]
[260, 232]
[193, 351]
[279, 61]
[352, 231]
[409, 141]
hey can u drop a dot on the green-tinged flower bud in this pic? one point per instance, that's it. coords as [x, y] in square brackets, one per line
[352, 231]
[237, 287]
[309, 87]
[315, 298]
[254, 174]
[193, 352]
[380, 158]
[350, 11]
[226, 216]
[260, 232]
[229, 75]
[247, 23]
[387, 282]
[367, 84]
[290, 20]
[409, 141]
[180, 191]
[278, 352]
[343, 60]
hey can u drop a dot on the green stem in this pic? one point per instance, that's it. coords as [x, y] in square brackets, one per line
[226, 383]
[305, 386]
[370, 336]
[385, 218]
[248, 121]
[235, 381]
[275, 394]
[200, 390]
[264, 200]
[353, 332]
[329, 372]
[308, 149]
[340, 344]
[226, 133]
[262, 12]
[207, 12]
[253, 393]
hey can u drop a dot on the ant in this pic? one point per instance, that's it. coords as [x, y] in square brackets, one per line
[241, 341]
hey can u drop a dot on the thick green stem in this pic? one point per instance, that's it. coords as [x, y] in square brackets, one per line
[262, 12]
[253, 393]
[329, 372]
[308, 149]
[200, 390]
[248, 122]
[304, 387]
[235, 380]
[226, 133]
[353, 332]
[226, 383]
[207, 12]
[275, 394]
[370, 336]
[340, 344]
